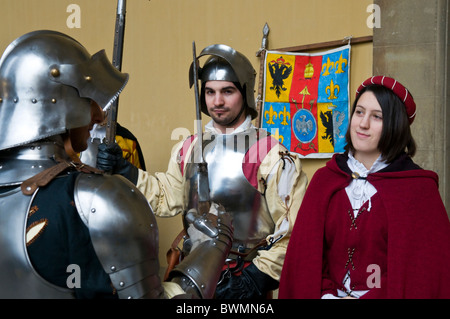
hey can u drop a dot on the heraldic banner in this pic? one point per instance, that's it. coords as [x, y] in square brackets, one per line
[306, 100]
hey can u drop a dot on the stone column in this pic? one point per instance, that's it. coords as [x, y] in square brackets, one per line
[411, 45]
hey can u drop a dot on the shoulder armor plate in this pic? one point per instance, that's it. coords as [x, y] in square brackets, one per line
[124, 233]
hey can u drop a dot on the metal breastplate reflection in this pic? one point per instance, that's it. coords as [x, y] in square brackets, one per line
[229, 186]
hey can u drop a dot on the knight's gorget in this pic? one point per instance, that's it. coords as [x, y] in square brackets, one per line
[225, 155]
[21, 163]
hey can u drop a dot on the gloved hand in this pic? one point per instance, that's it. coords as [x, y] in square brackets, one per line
[110, 159]
[251, 284]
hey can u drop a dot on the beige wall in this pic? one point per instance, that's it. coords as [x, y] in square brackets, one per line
[158, 42]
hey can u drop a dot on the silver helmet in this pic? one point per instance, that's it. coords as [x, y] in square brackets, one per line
[47, 82]
[227, 64]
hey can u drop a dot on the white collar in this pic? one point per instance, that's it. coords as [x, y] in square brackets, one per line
[357, 166]
[360, 190]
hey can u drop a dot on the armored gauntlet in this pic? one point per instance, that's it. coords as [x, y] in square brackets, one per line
[199, 272]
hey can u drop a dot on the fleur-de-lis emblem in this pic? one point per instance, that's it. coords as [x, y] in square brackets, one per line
[270, 115]
[285, 115]
[327, 66]
[330, 89]
[339, 63]
[276, 135]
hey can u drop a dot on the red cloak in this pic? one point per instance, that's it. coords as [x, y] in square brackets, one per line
[418, 232]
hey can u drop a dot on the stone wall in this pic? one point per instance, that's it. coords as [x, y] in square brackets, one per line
[411, 45]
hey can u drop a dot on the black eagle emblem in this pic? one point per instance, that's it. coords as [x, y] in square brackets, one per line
[279, 71]
[327, 122]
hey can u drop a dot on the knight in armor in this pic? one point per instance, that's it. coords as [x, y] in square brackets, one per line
[66, 229]
[250, 174]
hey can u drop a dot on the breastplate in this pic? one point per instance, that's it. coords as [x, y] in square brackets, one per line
[17, 276]
[229, 187]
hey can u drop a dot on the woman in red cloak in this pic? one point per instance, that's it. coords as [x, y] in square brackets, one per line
[372, 223]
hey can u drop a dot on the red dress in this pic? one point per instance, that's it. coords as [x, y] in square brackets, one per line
[405, 236]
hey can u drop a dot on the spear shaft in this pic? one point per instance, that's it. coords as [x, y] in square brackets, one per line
[119, 34]
[202, 181]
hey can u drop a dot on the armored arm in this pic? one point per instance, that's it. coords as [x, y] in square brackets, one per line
[199, 272]
[124, 233]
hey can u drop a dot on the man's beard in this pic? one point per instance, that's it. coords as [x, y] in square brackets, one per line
[227, 119]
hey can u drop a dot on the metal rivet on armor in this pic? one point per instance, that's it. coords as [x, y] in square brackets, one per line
[53, 101]
[121, 284]
[203, 286]
[88, 78]
[151, 225]
[55, 73]
[16, 100]
[113, 268]
[28, 188]
[33, 101]
[92, 210]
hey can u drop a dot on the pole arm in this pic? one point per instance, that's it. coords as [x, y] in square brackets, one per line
[202, 181]
[119, 33]
[197, 106]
